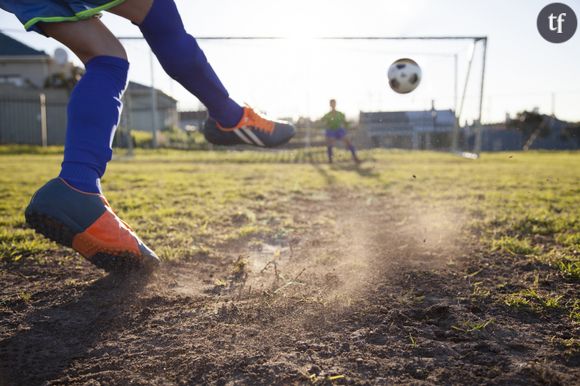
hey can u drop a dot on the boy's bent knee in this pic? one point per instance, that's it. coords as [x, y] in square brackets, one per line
[92, 52]
[86, 38]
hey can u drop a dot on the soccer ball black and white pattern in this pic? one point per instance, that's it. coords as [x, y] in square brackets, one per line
[404, 76]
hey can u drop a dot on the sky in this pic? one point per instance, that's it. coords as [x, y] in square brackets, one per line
[296, 77]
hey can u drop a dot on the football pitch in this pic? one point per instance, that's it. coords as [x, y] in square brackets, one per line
[411, 267]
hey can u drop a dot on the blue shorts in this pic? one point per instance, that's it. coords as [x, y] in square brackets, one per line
[335, 134]
[30, 12]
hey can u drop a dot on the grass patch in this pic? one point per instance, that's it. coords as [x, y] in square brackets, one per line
[515, 246]
[533, 300]
[470, 326]
[575, 311]
[570, 269]
[571, 240]
[187, 201]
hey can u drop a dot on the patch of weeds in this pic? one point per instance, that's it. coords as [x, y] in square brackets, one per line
[16, 244]
[220, 283]
[472, 274]
[14, 253]
[71, 282]
[413, 341]
[470, 326]
[569, 239]
[248, 230]
[243, 217]
[176, 253]
[552, 302]
[570, 343]
[26, 297]
[570, 346]
[536, 225]
[479, 291]
[515, 246]
[533, 300]
[517, 301]
[418, 300]
[575, 311]
[240, 268]
[318, 379]
[570, 269]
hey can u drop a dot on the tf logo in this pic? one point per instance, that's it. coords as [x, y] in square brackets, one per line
[557, 23]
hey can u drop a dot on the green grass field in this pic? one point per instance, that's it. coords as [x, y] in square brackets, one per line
[183, 203]
[512, 198]
[522, 209]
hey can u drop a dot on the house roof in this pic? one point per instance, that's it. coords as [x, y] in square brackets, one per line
[12, 47]
[141, 88]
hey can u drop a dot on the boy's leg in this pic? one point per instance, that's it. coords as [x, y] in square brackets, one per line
[183, 59]
[71, 210]
[329, 147]
[95, 103]
[352, 149]
[180, 55]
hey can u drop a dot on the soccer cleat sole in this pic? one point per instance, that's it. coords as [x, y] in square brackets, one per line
[120, 262]
[50, 228]
[124, 262]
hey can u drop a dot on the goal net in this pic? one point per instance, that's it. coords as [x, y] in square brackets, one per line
[296, 78]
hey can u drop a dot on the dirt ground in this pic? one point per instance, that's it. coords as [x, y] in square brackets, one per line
[371, 292]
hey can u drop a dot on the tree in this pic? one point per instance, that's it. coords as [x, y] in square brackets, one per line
[572, 132]
[532, 125]
[65, 79]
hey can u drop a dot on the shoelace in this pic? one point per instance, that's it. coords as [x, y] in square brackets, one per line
[256, 120]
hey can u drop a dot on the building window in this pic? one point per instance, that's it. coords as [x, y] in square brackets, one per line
[15, 80]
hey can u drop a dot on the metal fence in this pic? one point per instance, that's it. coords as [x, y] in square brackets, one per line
[33, 117]
[38, 117]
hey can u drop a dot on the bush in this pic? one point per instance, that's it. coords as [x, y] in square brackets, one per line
[142, 139]
[176, 138]
[169, 138]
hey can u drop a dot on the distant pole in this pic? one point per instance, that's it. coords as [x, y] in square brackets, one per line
[307, 143]
[43, 125]
[455, 80]
[465, 85]
[455, 136]
[128, 123]
[553, 104]
[428, 139]
[481, 91]
[154, 112]
[308, 68]
[467, 76]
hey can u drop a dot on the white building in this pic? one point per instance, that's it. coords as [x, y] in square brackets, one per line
[427, 129]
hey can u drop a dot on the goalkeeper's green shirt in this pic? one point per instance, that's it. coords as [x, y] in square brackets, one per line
[334, 120]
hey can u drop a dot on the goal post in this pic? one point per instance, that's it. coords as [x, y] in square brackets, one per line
[370, 55]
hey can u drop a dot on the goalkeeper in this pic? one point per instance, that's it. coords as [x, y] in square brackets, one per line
[335, 130]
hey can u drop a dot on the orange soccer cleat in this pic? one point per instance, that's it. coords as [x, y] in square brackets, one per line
[86, 222]
[253, 129]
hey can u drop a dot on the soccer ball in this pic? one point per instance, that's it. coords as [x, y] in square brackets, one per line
[404, 76]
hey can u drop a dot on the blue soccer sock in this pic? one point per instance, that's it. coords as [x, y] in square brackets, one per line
[353, 151]
[93, 114]
[329, 153]
[183, 60]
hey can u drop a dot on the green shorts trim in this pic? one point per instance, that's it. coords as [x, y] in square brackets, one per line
[84, 15]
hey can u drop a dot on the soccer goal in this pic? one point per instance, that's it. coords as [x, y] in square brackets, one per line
[294, 78]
